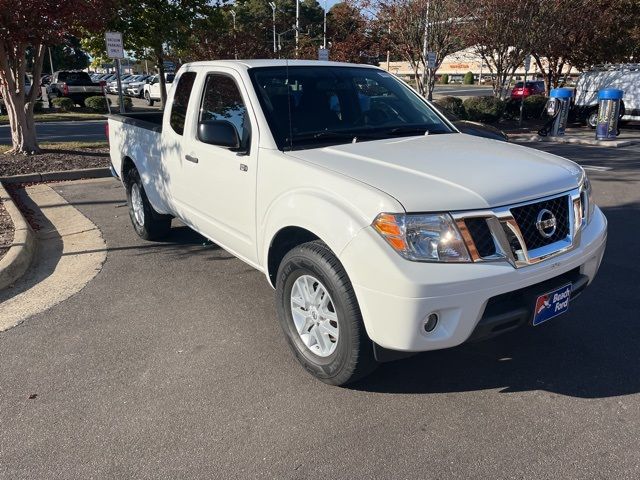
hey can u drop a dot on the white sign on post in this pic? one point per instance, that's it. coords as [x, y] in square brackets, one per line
[431, 59]
[114, 44]
[323, 54]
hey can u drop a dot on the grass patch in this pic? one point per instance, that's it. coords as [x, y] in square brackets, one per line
[59, 117]
[62, 146]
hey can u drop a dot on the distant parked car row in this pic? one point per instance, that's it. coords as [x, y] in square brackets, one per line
[139, 86]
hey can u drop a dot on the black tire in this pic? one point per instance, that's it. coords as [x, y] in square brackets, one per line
[592, 118]
[353, 356]
[147, 97]
[154, 226]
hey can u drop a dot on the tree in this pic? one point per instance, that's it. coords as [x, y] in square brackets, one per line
[68, 55]
[213, 36]
[416, 26]
[32, 24]
[348, 34]
[560, 40]
[498, 31]
[152, 28]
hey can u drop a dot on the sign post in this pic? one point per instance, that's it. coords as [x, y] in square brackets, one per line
[527, 65]
[115, 51]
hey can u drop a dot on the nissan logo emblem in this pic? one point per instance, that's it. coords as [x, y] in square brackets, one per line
[546, 223]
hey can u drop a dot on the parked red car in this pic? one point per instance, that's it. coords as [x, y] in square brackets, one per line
[535, 87]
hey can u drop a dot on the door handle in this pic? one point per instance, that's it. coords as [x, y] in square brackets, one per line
[191, 158]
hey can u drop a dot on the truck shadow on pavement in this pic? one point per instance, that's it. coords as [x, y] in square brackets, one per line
[593, 352]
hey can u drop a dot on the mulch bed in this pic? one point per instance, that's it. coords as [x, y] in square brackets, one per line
[54, 160]
[6, 231]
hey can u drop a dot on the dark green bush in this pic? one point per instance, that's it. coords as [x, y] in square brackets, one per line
[468, 78]
[484, 109]
[127, 102]
[444, 79]
[452, 104]
[534, 106]
[532, 109]
[63, 103]
[38, 107]
[97, 104]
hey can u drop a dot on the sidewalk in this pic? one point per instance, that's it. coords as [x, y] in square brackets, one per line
[582, 136]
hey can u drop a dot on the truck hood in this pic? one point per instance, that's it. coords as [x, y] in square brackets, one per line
[449, 172]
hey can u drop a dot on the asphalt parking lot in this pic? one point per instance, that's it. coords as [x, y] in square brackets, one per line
[171, 364]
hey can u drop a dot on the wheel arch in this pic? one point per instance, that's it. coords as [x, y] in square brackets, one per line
[285, 239]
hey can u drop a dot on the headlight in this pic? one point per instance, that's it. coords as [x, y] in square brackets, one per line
[586, 199]
[423, 238]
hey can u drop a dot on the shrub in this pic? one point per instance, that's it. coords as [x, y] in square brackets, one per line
[444, 79]
[97, 104]
[484, 109]
[468, 78]
[453, 105]
[534, 106]
[63, 103]
[38, 107]
[127, 102]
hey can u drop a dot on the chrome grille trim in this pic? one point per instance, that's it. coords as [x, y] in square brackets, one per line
[502, 224]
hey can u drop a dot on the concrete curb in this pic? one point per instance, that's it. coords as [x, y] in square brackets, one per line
[17, 260]
[100, 172]
[572, 140]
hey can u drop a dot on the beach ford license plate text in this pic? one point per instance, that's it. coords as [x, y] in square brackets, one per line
[552, 304]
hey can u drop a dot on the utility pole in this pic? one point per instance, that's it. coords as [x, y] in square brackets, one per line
[324, 37]
[235, 42]
[389, 42]
[50, 61]
[273, 7]
[297, 25]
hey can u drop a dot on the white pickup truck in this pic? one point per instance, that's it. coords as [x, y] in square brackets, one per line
[383, 230]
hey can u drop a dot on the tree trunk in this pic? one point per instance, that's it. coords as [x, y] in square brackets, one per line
[19, 105]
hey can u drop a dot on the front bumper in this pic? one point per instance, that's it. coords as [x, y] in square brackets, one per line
[396, 296]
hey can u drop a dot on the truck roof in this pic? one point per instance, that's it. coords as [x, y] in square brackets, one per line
[274, 63]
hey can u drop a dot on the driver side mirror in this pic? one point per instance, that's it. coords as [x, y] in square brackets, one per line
[219, 132]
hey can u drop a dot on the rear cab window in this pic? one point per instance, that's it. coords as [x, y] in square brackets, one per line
[180, 102]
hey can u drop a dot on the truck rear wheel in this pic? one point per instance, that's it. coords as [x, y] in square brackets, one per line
[320, 316]
[148, 224]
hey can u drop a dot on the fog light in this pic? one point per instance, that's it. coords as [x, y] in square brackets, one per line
[431, 323]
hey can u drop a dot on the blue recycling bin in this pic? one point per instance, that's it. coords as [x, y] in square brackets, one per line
[608, 112]
[558, 108]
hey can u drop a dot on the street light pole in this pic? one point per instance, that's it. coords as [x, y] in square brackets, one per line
[50, 61]
[324, 38]
[273, 7]
[235, 42]
[297, 25]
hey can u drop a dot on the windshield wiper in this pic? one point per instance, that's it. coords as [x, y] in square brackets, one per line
[407, 130]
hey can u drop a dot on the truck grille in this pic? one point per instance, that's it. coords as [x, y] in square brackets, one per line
[522, 234]
[526, 218]
[481, 235]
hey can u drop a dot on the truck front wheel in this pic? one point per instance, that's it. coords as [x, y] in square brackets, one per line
[147, 97]
[320, 316]
[148, 224]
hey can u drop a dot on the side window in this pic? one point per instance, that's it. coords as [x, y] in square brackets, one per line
[181, 101]
[222, 101]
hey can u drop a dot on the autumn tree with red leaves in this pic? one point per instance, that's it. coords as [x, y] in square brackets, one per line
[34, 24]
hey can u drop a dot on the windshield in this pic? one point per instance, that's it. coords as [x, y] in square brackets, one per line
[310, 106]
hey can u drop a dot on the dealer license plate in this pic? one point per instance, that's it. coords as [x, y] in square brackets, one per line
[552, 304]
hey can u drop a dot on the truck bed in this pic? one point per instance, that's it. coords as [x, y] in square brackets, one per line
[147, 120]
